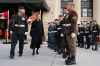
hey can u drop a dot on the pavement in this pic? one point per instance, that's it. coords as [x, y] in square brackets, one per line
[46, 57]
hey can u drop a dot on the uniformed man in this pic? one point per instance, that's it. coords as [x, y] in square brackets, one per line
[71, 29]
[18, 27]
[60, 36]
[88, 36]
[80, 38]
[95, 33]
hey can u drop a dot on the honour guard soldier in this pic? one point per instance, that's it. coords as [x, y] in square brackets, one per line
[88, 36]
[71, 29]
[18, 27]
[81, 36]
[95, 33]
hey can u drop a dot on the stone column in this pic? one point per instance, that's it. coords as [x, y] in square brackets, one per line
[96, 10]
[54, 6]
[78, 9]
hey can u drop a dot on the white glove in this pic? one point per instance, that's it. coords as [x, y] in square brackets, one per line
[26, 33]
[73, 35]
[62, 35]
[11, 32]
[29, 20]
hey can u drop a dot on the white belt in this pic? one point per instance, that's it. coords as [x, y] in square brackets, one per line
[59, 28]
[67, 25]
[61, 35]
[94, 31]
[16, 25]
[52, 31]
[81, 32]
[87, 32]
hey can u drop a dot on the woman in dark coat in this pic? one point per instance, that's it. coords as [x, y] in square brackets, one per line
[36, 33]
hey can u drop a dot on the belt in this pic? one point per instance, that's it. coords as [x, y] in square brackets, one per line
[94, 31]
[81, 32]
[87, 31]
[52, 31]
[66, 25]
[16, 25]
[59, 28]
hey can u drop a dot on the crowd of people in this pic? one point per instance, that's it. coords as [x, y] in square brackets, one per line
[88, 35]
[19, 27]
[62, 40]
[63, 34]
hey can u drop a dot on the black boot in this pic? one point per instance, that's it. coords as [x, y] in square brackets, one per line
[65, 54]
[12, 54]
[73, 60]
[33, 52]
[37, 51]
[59, 51]
[67, 61]
[20, 53]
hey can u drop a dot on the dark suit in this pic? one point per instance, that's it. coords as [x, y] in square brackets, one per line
[95, 32]
[18, 26]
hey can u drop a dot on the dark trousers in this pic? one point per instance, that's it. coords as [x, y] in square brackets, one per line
[94, 44]
[88, 43]
[81, 41]
[15, 37]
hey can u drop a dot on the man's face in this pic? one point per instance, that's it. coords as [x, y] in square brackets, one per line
[61, 17]
[68, 7]
[22, 11]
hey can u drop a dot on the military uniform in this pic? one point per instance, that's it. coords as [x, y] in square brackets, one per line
[81, 37]
[61, 42]
[52, 41]
[95, 32]
[18, 26]
[87, 37]
[70, 26]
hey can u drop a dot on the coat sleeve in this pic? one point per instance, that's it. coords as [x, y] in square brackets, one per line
[74, 23]
[26, 26]
[12, 23]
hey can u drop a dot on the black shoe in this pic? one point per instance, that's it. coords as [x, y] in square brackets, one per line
[73, 60]
[20, 55]
[59, 52]
[33, 52]
[95, 49]
[37, 52]
[67, 61]
[11, 57]
[70, 61]
[64, 56]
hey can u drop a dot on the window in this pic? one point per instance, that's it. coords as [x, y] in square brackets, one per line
[87, 8]
[84, 12]
[63, 2]
[84, 0]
